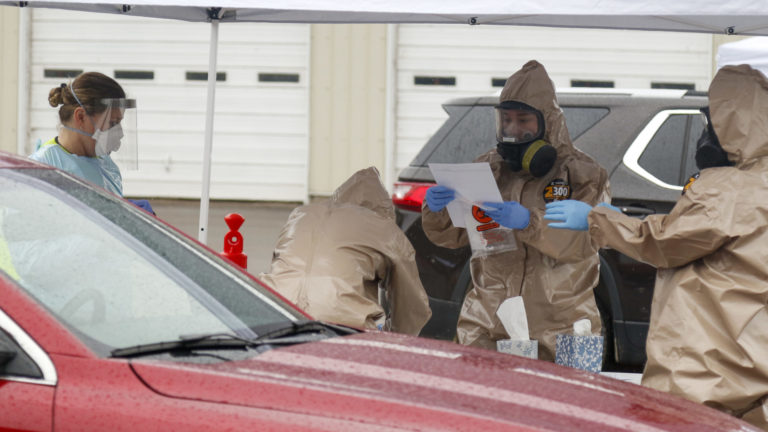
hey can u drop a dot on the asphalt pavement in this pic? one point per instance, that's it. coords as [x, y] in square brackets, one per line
[263, 222]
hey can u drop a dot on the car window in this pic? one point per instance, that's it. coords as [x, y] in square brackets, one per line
[463, 137]
[663, 154]
[103, 281]
[581, 119]
[468, 133]
[21, 365]
[696, 125]
[669, 154]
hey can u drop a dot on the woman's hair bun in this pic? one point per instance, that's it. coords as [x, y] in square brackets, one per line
[55, 97]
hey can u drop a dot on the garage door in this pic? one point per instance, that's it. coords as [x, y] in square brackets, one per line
[438, 62]
[260, 144]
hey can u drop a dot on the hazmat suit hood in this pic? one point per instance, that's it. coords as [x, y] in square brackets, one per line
[345, 260]
[738, 106]
[364, 189]
[532, 85]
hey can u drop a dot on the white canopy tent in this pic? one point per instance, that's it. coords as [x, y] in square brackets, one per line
[752, 51]
[742, 17]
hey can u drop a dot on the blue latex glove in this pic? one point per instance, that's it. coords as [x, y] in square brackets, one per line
[510, 214]
[572, 214]
[438, 197]
[606, 205]
[144, 204]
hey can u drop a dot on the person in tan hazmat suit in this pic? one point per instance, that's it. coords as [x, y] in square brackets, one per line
[554, 271]
[708, 334]
[331, 257]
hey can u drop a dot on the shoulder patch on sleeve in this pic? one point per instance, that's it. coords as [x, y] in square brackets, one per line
[690, 181]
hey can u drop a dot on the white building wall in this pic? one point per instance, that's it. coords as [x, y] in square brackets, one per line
[348, 101]
[9, 52]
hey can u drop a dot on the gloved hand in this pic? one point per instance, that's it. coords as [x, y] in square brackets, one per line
[571, 213]
[606, 205]
[144, 204]
[438, 197]
[510, 214]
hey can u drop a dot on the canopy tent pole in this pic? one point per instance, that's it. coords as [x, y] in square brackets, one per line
[390, 111]
[24, 72]
[206, 181]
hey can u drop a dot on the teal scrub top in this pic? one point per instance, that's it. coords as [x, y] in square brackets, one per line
[101, 171]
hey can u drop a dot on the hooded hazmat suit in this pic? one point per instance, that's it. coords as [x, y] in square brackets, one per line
[708, 335]
[331, 257]
[554, 271]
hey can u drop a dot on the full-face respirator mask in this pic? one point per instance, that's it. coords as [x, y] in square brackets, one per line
[709, 153]
[519, 133]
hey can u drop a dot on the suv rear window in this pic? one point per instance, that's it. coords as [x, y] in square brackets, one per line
[665, 157]
[470, 132]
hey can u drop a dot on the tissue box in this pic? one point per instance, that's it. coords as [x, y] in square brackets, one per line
[523, 348]
[580, 352]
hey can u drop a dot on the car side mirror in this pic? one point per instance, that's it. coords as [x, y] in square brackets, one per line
[7, 353]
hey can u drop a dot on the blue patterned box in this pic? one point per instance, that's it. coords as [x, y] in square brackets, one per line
[523, 348]
[580, 352]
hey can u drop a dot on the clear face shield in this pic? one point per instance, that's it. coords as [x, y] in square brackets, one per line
[517, 123]
[115, 132]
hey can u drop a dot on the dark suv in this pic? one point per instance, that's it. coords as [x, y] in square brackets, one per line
[645, 140]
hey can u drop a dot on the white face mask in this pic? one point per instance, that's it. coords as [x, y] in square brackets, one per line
[108, 141]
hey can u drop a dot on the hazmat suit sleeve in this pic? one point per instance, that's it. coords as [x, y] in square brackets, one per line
[440, 230]
[567, 245]
[696, 226]
[408, 300]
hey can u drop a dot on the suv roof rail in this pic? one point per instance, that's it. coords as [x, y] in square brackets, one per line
[632, 92]
[593, 91]
[696, 93]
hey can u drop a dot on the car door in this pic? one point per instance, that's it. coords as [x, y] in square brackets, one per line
[27, 380]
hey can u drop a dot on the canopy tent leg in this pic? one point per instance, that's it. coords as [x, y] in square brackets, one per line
[202, 235]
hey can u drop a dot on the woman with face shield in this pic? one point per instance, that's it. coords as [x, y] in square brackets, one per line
[96, 121]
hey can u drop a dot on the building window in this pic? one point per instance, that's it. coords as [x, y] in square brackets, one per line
[594, 84]
[498, 82]
[279, 77]
[203, 76]
[434, 81]
[679, 86]
[61, 73]
[136, 75]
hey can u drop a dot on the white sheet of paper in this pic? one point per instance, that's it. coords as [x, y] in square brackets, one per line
[473, 183]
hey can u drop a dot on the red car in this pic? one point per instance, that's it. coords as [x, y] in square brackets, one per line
[110, 320]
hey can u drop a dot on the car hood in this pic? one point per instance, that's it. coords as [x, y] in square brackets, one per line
[404, 382]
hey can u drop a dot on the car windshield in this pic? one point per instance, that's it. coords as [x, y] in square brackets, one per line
[114, 275]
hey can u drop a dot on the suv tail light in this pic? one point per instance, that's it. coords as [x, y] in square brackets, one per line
[409, 196]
